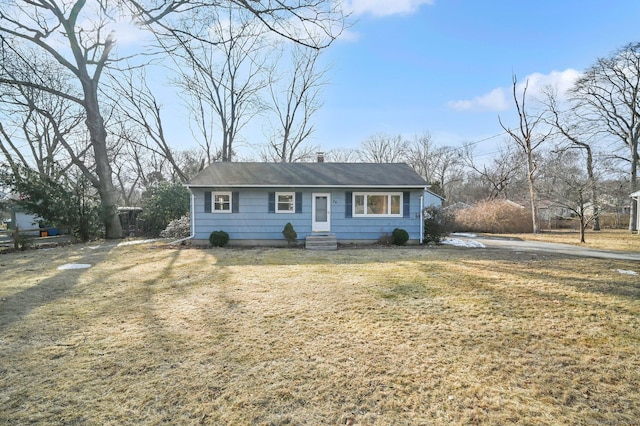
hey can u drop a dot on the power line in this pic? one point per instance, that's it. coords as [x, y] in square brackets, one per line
[486, 139]
[480, 141]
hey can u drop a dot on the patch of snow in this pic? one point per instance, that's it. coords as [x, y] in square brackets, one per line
[622, 271]
[464, 234]
[463, 243]
[74, 266]
[130, 243]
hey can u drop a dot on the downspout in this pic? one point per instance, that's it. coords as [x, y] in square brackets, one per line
[192, 221]
[421, 219]
[637, 200]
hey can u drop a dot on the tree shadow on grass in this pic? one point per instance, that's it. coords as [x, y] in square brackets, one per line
[606, 278]
[31, 279]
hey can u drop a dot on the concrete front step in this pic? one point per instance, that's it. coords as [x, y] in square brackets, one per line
[321, 242]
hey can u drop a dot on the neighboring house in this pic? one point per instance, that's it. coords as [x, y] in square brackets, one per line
[18, 217]
[5, 216]
[350, 202]
[28, 222]
[549, 210]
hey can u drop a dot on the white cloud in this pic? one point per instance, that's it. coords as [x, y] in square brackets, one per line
[496, 100]
[385, 7]
[349, 36]
[559, 80]
[500, 99]
[128, 34]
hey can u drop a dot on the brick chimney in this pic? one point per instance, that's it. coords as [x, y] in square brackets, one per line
[320, 157]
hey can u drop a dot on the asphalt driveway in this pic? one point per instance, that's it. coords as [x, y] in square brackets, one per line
[542, 247]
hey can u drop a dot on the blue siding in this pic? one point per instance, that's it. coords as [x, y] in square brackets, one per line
[254, 222]
[431, 199]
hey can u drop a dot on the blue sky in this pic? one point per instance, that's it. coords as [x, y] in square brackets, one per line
[445, 66]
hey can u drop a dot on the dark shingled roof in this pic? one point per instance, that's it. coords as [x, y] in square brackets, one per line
[308, 175]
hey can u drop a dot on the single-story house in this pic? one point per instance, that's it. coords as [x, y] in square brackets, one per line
[349, 202]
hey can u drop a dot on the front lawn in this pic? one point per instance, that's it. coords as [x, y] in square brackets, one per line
[438, 335]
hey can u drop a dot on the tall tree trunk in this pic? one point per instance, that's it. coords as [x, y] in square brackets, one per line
[526, 139]
[633, 186]
[594, 191]
[105, 187]
[531, 169]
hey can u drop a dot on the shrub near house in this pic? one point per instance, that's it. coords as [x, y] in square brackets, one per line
[290, 234]
[399, 237]
[163, 203]
[438, 224]
[218, 239]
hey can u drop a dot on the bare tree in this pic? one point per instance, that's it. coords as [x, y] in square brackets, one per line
[28, 137]
[311, 23]
[294, 100]
[438, 165]
[342, 155]
[420, 156]
[136, 106]
[528, 141]
[383, 148]
[221, 75]
[72, 35]
[565, 182]
[572, 128]
[31, 141]
[128, 173]
[447, 170]
[225, 46]
[75, 34]
[498, 175]
[609, 94]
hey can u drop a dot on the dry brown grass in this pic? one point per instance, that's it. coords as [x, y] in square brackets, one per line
[610, 239]
[277, 336]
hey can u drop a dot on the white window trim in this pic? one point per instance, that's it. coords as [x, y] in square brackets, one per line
[293, 202]
[214, 203]
[387, 194]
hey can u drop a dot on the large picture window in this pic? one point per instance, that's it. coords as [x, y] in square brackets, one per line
[285, 202]
[377, 204]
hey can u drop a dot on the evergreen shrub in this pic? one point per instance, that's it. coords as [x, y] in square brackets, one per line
[290, 234]
[399, 237]
[218, 239]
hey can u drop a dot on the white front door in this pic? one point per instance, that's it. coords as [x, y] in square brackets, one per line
[321, 217]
